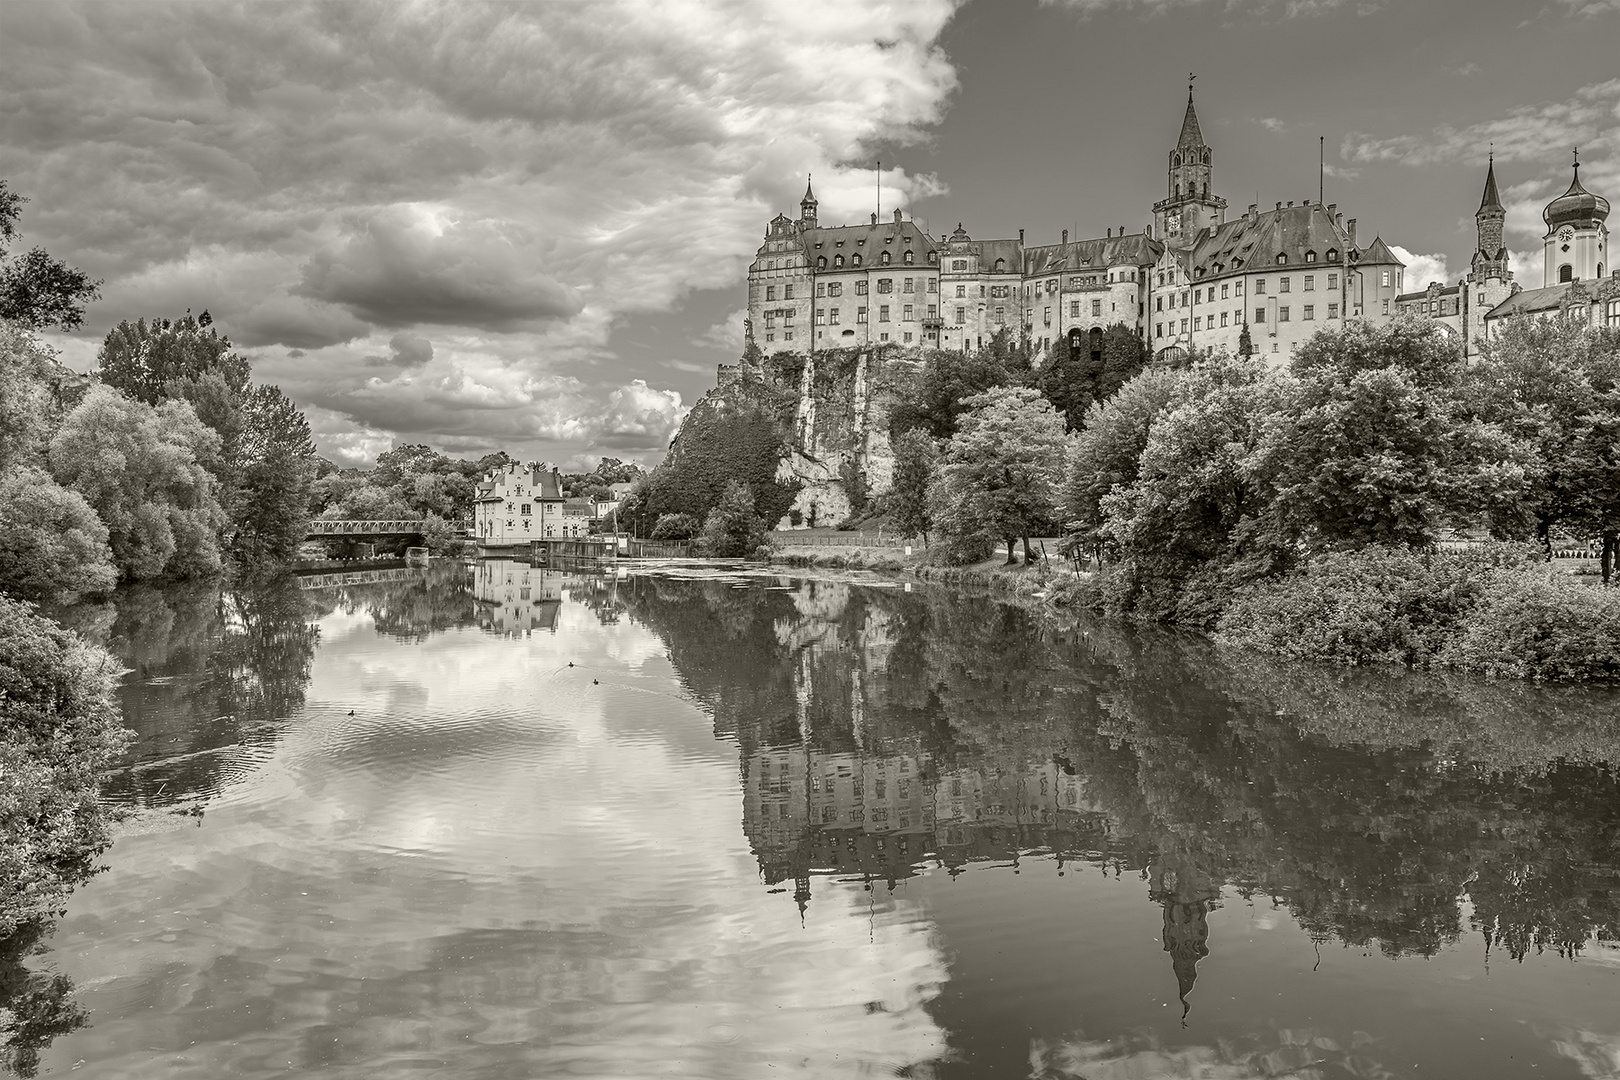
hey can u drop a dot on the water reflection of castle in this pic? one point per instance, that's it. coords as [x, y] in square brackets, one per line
[515, 599]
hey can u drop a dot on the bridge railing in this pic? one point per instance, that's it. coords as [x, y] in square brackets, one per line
[320, 527]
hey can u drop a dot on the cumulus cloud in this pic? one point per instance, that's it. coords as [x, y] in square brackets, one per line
[521, 179]
[726, 335]
[1420, 269]
[405, 350]
[639, 417]
[1526, 267]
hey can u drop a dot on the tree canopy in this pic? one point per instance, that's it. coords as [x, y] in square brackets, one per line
[36, 290]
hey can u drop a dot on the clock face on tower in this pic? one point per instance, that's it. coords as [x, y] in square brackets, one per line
[1565, 233]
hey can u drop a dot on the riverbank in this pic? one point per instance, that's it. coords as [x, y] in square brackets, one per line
[1030, 581]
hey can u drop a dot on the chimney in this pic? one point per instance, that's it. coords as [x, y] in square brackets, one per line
[1110, 233]
[874, 217]
[1122, 230]
[1147, 231]
[1254, 212]
[1350, 228]
[897, 215]
[1065, 236]
[1331, 207]
[1020, 236]
[1338, 219]
[1290, 202]
[1279, 204]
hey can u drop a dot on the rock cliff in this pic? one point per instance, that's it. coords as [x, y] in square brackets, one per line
[830, 412]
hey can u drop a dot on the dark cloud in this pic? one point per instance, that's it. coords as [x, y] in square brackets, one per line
[394, 272]
[405, 350]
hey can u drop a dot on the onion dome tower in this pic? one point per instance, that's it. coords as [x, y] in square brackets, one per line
[1576, 245]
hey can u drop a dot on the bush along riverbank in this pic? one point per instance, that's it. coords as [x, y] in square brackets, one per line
[1500, 610]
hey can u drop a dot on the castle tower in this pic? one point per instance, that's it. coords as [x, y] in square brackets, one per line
[1188, 206]
[1576, 245]
[1489, 280]
[807, 207]
[1490, 258]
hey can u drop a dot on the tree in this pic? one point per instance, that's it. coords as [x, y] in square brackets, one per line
[139, 468]
[914, 457]
[36, 290]
[676, 526]
[53, 547]
[732, 529]
[948, 379]
[165, 359]
[1074, 379]
[274, 466]
[1245, 342]
[29, 400]
[998, 477]
[1108, 451]
[1554, 385]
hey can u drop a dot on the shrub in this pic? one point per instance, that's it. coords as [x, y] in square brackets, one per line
[52, 544]
[1538, 623]
[59, 730]
[733, 529]
[1378, 603]
[675, 527]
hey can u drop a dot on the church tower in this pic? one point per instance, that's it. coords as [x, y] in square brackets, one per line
[1576, 245]
[1489, 280]
[1188, 206]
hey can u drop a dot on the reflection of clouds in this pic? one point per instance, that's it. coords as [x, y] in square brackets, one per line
[498, 877]
[1598, 1056]
[1288, 1053]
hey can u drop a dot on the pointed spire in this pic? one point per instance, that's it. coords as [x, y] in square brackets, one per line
[809, 196]
[1190, 134]
[1491, 201]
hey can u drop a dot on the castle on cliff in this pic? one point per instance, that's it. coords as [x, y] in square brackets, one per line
[1191, 278]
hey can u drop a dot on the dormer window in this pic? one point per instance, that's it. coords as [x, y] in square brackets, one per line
[1001, 266]
[1332, 254]
[1282, 257]
[1310, 256]
[933, 257]
[884, 259]
[838, 262]
[840, 243]
[821, 261]
[856, 260]
[910, 257]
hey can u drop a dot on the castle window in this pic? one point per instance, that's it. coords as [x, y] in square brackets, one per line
[933, 285]
[910, 257]
[1001, 266]
[958, 264]
[885, 285]
[1096, 308]
[1385, 285]
[855, 260]
[1310, 312]
[860, 315]
[1282, 314]
[961, 316]
[770, 292]
[910, 285]
[884, 258]
[1310, 256]
[835, 288]
[1260, 287]
[860, 288]
[961, 291]
[1282, 257]
[883, 314]
[787, 292]
[821, 289]
[821, 262]
[1566, 273]
[1259, 315]
[1333, 311]
[1223, 291]
[933, 257]
[1223, 318]
[1332, 255]
[838, 262]
[834, 318]
[1333, 282]
[1310, 282]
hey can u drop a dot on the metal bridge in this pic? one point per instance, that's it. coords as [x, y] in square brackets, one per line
[359, 577]
[322, 529]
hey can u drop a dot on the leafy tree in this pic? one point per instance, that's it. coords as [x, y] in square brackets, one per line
[914, 457]
[732, 529]
[59, 732]
[36, 290]
[718, 444]
[1109, 448]
[1409, 344]
[998, 477]
[164, 359]
[948, 379]
[274, 469]
[30, 397]
[1245, 342]
[52, 544]
[139, 468]
[675, 527]
[1554, 385]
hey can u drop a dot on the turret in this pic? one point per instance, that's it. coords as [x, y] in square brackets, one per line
[1490, 256]
[1576, 245]
[807, 207]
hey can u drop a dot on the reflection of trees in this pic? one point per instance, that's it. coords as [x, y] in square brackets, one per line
[214, 674]
[437, 599]
[1368, 802]
[35, 1006]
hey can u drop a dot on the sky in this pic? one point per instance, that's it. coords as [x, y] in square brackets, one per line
[526, 226]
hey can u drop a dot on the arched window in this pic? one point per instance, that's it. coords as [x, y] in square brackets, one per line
[1566, 273]
[1175, 159]
[884, 258]
[1001, 266]
[1075, 337]
[1096, 336]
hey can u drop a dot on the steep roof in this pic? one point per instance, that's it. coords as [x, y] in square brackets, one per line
[990, 250]
[1190, 135]
[1530, 301]
[899, 234]
[1437, 288]
[1377, 253]
[1247, 246]
[1137, 249]
[1491, 200]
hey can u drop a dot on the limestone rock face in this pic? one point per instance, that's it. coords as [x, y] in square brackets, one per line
[832, 409]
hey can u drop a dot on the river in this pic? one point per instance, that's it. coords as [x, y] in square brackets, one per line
[496, 822]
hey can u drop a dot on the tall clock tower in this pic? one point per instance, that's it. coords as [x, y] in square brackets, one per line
[1576, 247]
[1188, 207]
